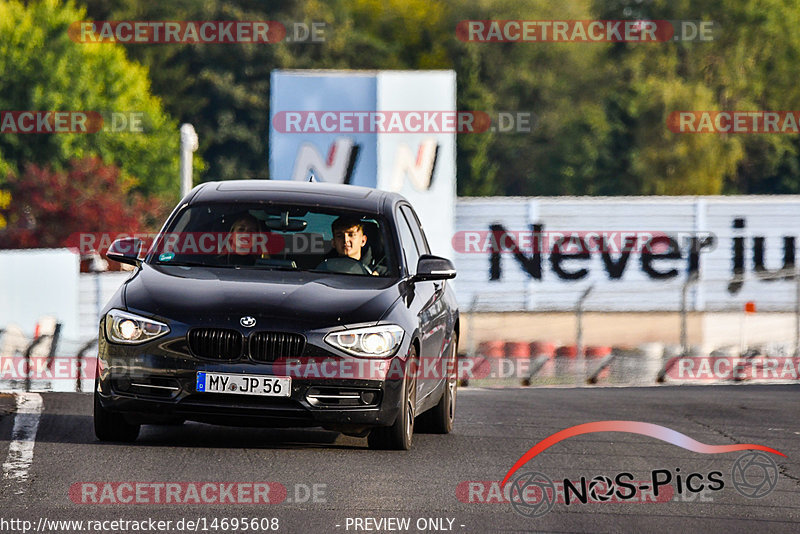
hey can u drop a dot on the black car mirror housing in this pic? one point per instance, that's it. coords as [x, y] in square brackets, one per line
[125, 250]
[431, 267]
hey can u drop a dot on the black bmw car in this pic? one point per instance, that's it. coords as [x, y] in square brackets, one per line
[282, 304]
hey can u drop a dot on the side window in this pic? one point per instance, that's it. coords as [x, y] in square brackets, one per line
[409, 247]
[416, 228]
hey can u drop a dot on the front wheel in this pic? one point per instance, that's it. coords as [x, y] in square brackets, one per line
[109, 426]
[401, 433]
[439, 420]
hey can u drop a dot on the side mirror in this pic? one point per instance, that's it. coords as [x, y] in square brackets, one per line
[125, 250]
[434, 268]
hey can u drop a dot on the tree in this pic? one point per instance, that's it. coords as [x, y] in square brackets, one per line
[748, 65]
[44, 70]
[600, 108]
[50, 208]
[224, 89]
[561, 84]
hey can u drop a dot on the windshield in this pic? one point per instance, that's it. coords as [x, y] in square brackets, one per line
[277, 237]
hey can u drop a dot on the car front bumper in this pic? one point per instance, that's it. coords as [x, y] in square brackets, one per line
[154, 383]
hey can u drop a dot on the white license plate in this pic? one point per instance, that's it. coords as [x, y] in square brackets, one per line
[267, 386]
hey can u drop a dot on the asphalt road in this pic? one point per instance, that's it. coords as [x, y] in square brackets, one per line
[334, 483]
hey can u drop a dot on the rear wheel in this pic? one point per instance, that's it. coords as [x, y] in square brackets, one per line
[439, 419]
[400, 435]
[109, 426]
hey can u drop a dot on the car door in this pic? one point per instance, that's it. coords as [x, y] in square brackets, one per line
[431, 313]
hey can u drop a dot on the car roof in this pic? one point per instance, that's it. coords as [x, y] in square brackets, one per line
[289, 191]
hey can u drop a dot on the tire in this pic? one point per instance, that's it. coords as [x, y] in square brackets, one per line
[439, 419]
[109, 426]
[400, 435]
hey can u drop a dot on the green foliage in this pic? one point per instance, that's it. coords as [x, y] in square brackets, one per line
[222, 89]
[601, 108]
[44, 70]
[42, 211]
[748, 65]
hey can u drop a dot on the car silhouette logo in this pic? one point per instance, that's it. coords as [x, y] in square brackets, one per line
[248, 321]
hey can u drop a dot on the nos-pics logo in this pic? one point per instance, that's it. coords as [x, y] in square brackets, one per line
[533, 494]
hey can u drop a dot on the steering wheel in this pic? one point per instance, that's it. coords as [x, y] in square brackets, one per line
[343, 264]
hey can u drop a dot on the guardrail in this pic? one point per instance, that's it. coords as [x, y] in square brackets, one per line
[22, 364]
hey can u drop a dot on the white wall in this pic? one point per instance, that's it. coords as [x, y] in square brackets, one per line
[89, 305]
[435, 204]
[43, 284]
[37, 283]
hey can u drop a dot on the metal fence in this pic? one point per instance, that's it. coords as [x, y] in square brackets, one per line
[527, 349]
[616, 348]
[48, 362]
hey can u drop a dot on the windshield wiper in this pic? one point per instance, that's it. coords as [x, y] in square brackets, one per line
[190, 264]
[268, 268]
[335, 272]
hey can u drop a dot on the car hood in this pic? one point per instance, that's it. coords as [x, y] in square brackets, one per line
[197, 295]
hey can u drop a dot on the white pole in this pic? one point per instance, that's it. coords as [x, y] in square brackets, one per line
[189, 143]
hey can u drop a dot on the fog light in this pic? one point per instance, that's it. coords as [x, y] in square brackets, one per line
[123, 383]
[367, 397]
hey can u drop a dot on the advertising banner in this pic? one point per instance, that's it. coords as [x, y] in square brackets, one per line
[394, 130]
[631, 254]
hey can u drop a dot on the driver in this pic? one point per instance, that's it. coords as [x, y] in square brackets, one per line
[349, 239]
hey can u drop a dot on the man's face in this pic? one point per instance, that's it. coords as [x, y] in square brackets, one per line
[348, 241]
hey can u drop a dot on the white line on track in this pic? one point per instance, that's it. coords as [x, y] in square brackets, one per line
[23, 438]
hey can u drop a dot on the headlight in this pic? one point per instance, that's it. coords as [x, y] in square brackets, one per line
[124, 327]
[372, 342]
